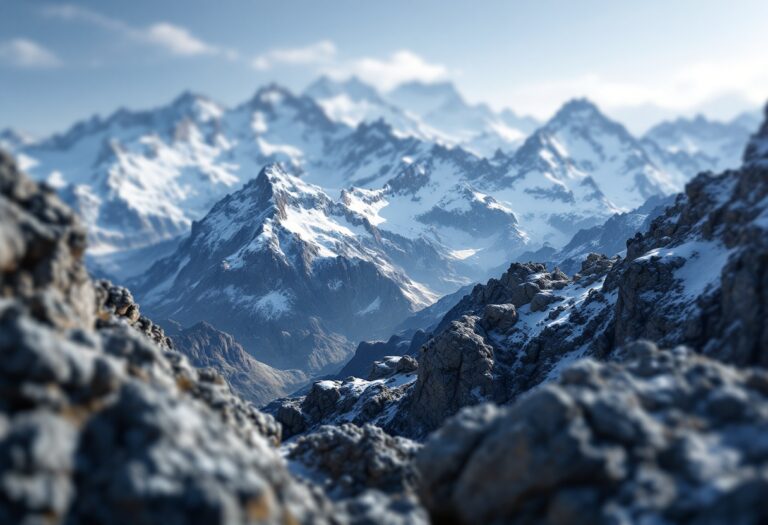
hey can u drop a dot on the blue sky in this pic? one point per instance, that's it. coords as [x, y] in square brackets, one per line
[639, 61]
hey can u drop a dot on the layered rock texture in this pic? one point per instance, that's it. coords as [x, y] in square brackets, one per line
[662, 437]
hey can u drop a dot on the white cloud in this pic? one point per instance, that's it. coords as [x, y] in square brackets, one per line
[177, 40]
[319, 53]
[400, 66]
[24, 53]
[171, 38]
[384, 73]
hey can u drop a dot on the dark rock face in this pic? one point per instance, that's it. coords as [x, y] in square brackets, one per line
[711, 244]
[206, 347]
[455, 370]
[369, 352]
[605, 444]
[353, 459]
[42, 247]
[116, 303]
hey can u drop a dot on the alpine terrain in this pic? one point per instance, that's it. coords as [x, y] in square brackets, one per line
[632, 391]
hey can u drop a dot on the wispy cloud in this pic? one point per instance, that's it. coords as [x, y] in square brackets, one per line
[23, 53]
[384, 73]
[171, 38]
[322, 56]
[177, 40]
[319, 53]
[401, 66]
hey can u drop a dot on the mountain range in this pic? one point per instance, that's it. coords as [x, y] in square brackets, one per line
[634, 391]
[291, 220]
[694, 275]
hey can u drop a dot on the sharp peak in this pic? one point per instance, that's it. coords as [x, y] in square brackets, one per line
[273, 170]
[187, 97]
[264, 92]
[279, 176]
[580, 104]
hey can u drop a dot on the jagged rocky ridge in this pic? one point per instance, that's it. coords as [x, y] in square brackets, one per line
[696, 277]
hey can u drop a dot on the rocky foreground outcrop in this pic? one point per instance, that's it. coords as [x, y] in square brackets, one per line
[102, 421]
[666, 436]
[98, 422]
[697, 277]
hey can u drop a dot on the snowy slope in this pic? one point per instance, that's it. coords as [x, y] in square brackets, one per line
[294, 276]
[434, 112]
[476, 128]
[699, 144]
[354, 102]
[143, 177]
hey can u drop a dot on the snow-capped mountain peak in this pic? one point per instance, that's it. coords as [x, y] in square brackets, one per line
[11, 139]
[423, 98]
[607, 152]
[354, 88]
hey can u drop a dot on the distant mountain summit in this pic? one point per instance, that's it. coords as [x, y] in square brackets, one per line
[293, 275]
[698, 144]
[435, 112]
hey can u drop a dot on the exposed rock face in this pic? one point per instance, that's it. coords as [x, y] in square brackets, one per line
[116, 304]
[608, 444]
[368, 353]
[375, 400]
[455, 370]
[698, 276]
[42, 248]
[352, 459]
[252, 380]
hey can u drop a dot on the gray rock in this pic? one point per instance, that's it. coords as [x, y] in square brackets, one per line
[500, 317]
[354, 459]
[455, 370]
[608, 442]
